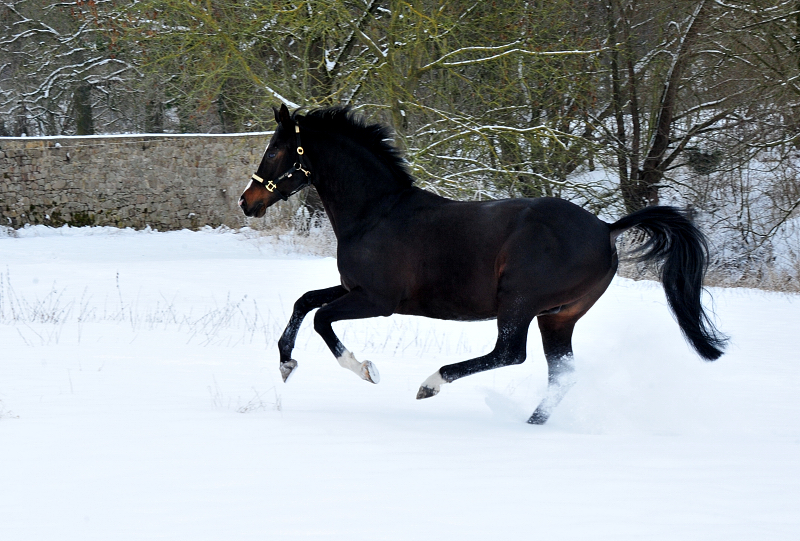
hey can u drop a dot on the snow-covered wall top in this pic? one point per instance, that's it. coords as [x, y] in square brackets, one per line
[164, 181]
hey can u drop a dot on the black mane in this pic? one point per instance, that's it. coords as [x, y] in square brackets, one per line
[377, 138]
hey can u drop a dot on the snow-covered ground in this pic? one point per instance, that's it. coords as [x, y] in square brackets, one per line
[140, 399]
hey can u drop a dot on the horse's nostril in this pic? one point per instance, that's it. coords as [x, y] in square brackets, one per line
[241, 201]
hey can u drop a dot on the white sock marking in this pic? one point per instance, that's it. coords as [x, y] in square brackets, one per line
[365, 370]
[557, 390]
[434, 381]
[349, 361]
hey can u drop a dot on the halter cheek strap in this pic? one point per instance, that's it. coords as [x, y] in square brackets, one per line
[298, 167]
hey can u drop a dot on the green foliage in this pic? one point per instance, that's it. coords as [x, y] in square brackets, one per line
[488, 98]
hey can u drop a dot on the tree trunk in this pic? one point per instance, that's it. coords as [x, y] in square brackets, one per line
[643, 190]
[154, 116]
[82, 101]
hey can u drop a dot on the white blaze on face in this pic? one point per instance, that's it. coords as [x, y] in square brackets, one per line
[248, 186]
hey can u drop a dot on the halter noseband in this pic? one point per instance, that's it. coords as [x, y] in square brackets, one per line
[298, 167]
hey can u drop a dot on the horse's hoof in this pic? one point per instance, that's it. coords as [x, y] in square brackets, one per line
[539, 417]
[287, 368]
[370, 372]
[426, 392]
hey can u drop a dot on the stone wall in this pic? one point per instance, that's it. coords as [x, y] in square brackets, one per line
[164, 181]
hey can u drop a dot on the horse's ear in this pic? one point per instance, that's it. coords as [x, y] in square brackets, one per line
[283, 117]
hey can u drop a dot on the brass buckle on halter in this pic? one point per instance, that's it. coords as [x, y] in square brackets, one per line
[269, 185]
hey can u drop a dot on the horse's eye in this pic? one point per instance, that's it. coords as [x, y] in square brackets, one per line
[271, 154]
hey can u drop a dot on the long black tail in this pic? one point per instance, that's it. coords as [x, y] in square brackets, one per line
[682, 251]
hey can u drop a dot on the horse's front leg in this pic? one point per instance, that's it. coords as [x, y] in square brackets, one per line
[309, 301]
[512, 326]
[354, 305]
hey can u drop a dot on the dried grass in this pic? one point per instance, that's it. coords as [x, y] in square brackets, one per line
[291, 228]
[754, 274]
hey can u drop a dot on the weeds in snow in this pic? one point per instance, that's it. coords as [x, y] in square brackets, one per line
[236, 321]
[8, 414]
[50, 309]
[41, 321]
[257, 403]
[290, 229]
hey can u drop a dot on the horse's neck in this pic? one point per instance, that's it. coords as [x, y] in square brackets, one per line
[353, 190]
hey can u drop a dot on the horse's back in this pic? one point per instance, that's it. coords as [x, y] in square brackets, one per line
[449, 259]
[542, 226]
[564, 229]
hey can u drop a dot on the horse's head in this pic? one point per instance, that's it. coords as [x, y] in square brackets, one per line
[282, 172]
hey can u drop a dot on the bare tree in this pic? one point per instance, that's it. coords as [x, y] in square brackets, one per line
[58, 73]
[690, 102]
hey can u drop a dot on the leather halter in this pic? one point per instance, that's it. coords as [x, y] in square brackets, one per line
[298, 167]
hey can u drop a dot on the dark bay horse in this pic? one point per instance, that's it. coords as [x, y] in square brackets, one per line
[403, 250]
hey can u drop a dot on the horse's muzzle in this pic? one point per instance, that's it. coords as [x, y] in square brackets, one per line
[257, 209]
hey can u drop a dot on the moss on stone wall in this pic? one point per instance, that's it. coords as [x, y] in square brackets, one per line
[165, 182]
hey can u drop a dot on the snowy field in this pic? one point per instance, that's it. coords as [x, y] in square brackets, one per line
[140, 399]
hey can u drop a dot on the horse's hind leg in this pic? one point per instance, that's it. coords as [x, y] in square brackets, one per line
[309, 301]
[557, 342]
[556, 332]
